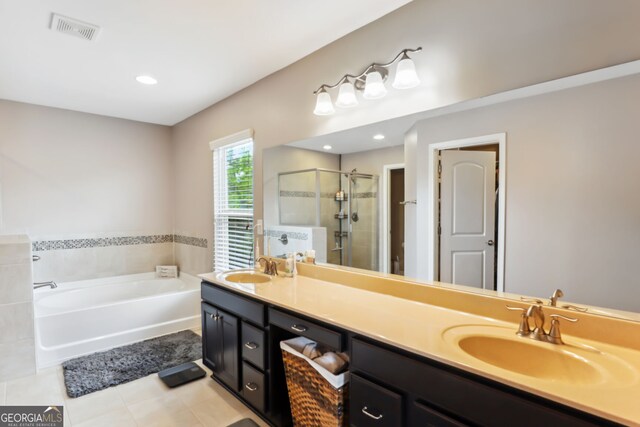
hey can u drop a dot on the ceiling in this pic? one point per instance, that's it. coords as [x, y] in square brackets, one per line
[200, 51]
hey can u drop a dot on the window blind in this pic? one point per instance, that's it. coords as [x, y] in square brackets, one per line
[233, 205]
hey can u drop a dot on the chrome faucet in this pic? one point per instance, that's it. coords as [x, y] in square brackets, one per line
[538, 333]
[270, 266]
[51, 283]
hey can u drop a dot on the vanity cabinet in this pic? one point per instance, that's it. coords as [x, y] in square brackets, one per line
[220, 344]
[438, 395]
[234, 344]
[388, 386]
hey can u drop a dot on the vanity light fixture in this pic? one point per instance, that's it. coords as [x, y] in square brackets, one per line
[378, 137]
[370, 82]
[327, 147]
[346, 95]
[324, 106]
[146, 80]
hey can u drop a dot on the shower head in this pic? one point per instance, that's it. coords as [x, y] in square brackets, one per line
[353, 178]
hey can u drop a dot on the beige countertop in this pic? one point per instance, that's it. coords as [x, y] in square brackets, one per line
[431, 330]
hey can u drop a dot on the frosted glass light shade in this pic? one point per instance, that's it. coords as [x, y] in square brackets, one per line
[346, 96]
[324, 106]
[406, 76]
[374, 87]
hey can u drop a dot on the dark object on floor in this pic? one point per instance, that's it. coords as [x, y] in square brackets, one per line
[245, 422]
[181, 374]
[120, 365]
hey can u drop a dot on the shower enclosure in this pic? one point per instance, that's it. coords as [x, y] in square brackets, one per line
[344, 203]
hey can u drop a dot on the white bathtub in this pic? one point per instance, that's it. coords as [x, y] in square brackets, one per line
[83, 317]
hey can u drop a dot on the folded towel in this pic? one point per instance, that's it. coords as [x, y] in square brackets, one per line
[312, 351]
[298, 344]
[344, 356]
[331, 362]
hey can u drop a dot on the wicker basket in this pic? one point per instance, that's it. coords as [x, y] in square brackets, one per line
[314, 400]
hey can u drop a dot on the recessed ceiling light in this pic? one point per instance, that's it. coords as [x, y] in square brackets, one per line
[327, 147]
[146, 80]
[378, 137]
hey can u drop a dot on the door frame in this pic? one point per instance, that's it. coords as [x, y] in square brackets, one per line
[385, 242]
[432, 225]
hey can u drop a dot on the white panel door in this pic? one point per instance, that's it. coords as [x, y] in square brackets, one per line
[467, 218]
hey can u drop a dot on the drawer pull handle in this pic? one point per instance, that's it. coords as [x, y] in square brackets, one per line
[251, 345]
[299, 328]
[370, 415]
[215, 317]
[251, 386]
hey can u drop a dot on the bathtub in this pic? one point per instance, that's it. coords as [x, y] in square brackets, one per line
[83, 317]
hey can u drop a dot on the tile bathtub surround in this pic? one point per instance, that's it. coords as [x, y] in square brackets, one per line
[17, 343]
[198, 242]
[101, 242]
[65, 265]
[193, 259]
[291, 235]
[64, 260]
[299, 238]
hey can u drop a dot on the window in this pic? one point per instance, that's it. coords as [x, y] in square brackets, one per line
[233, 205]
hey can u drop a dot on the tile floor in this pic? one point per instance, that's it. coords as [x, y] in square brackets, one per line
[144, 402]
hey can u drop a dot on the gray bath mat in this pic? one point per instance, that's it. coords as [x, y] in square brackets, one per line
[120, 365]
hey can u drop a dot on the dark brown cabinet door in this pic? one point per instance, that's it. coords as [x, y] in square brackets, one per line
[220, 345]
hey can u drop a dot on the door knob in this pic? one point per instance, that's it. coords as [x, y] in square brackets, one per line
[490, 243]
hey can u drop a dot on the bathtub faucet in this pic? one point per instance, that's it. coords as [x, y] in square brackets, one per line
[51, 283]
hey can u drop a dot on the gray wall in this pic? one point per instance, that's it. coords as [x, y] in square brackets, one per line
[573, 186]
[471, 49]
[69, 175]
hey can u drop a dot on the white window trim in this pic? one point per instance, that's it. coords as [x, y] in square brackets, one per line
[237, 137]
[229, 141]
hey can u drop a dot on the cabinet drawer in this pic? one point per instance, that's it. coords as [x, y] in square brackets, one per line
[307, 329]
[243, 307]
[372, 405]
[424, 416]
[253, 345]
[253, 388]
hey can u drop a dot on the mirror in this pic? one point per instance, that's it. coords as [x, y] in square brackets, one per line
[558, 165]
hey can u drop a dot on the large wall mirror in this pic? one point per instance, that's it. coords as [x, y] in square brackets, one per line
[521, 193]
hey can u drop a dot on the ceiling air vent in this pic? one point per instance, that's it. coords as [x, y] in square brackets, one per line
[66, 25]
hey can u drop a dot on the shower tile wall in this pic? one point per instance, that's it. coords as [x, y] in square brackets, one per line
[329, 207]
[364, 245]
[17, 342]
[298, 199]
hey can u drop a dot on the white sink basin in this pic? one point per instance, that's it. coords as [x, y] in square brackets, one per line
[571, 363]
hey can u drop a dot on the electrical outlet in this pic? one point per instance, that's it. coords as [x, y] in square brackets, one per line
[259, 227]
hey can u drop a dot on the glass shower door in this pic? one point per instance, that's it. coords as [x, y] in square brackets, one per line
[363, 222]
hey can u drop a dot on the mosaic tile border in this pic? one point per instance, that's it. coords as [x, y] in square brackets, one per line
[293, 235]
[312, 194]
[371, 195]
[191, 241]
[103, 242]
